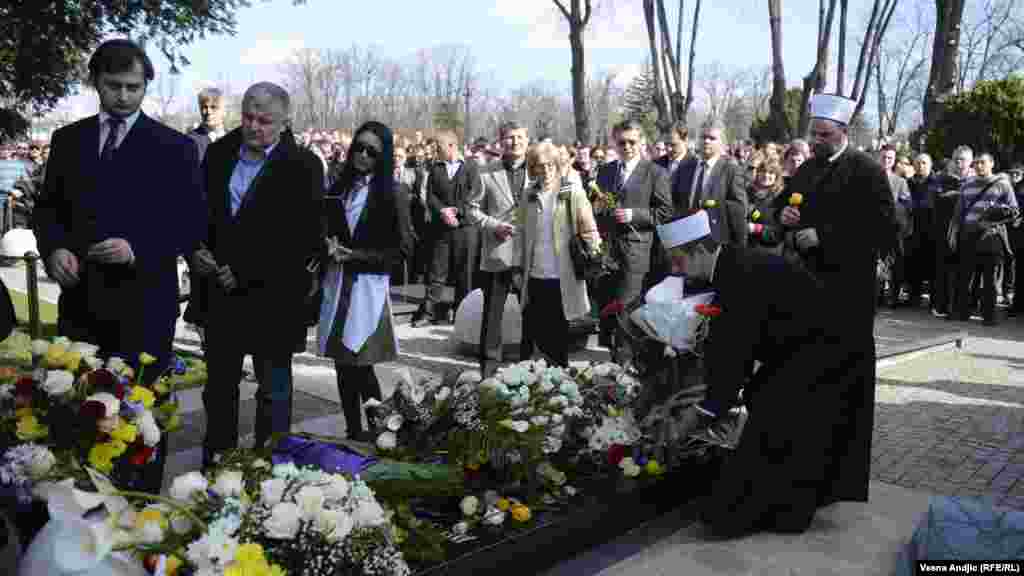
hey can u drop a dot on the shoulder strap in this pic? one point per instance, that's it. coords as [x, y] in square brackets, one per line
[963, 215]
[569, 212]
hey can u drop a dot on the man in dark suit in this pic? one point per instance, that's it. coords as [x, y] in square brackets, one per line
[456, 250]
[642, 191]
[211, 113]
[716, 184]
[122, 200]
[678, 154]
[257, 298]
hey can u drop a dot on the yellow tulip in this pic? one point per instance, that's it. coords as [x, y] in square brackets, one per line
[796, 199]
[756, 215]
[146, 359]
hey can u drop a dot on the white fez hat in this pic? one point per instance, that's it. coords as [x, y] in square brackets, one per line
[832, 107]
[685, 230]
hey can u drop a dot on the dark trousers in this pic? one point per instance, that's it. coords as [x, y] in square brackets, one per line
[423, 252]
[1017, 245]
[946, 271]
[356, 385]
[544, 323]
[455, 258]
[496, 287]
[221, 395]
[983, 268]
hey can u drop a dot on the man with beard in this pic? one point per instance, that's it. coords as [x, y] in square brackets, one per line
[777, 314]
[840, 225]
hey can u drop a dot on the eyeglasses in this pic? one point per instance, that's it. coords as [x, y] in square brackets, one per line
[625, 142]
[360, 147]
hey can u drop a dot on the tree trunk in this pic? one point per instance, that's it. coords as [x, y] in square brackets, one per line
[579, 88]
[778, 99]
[664, 113]
[945, 49]
[693, 58]
[815, 81]
[841, 68]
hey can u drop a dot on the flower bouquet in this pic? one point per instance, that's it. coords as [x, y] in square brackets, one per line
[250, 517]
[411, 423]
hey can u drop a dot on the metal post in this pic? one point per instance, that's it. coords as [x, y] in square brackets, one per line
[32, 283]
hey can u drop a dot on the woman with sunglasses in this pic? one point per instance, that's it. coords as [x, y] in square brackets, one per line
[552, 294]
[367, 216]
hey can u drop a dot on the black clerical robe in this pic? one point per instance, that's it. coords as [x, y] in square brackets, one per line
[778, 314]
[849, 204]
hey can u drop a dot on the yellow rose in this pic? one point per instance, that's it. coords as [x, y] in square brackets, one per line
[71, 361]
[101, 457]
[125, 433]
[29, 428]
[756, 215]
[503, 504]
[520, 513]
[142, 394]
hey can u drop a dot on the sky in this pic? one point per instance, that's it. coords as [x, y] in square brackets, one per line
[517, 41]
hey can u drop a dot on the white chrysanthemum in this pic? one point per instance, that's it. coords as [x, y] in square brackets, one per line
[337, 488]
[387, 441]
[228, 483]
[272, 490]
[58, 382]
[310, 500]
[284, 521]
[394, 422]
[186, 486]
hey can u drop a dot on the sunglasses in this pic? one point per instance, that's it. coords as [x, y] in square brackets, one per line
[370, 151]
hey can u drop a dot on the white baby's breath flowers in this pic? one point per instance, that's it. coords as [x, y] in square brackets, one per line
[58, 382]
[186, 486]
[284, 521]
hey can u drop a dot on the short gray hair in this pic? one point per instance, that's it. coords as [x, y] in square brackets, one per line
[924, 155]
[210, 93]
[272, 91]
[962, 148]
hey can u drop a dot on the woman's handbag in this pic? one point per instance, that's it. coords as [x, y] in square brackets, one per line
[587, 264]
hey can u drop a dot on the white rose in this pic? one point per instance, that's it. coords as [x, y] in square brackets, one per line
[443, 394]
[149, 429]
[39, 347]
[272, 490]
[556, 418]
[310, 500]
[229, 483]
[372, 403]
[460, 528]
[603, 370]
[540, 420]
[151, 533]
[494, 517]
[334, 524]
[84, 349]
[470, 506]
[337, 488]
[41, 463]
[58, 382]
[184, 487]
[283, 523]
[369, 513]
[116, 364]
[520, 426]
[93, 362]
[552, 444]
[387, 441]
[394, 422]
[569, 490]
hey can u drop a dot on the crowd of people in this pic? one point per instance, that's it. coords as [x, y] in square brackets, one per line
[284, 231]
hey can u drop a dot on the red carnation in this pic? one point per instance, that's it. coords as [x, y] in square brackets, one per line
[93, 410]
[142, 455]
[104, 379]
[24, 386]
[613, 308]
[709, 310]
[616, 453]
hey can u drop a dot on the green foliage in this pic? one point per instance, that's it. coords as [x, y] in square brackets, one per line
[990, 117]
[638, 103]
[769, 129]
[44, 45]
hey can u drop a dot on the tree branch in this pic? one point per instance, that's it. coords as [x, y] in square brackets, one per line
[562, 9]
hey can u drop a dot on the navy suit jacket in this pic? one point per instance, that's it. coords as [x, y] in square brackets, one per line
[151, 195]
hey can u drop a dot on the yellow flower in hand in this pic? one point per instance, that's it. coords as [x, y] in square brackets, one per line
[142, 394]
[503, 504]
[29, 428]
[146, 359]
[654, 468]
[520, 513]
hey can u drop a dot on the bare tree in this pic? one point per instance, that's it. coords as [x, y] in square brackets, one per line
[721, 87]
[603, 97]
[945, 49]
[577, 14]
[666, 62]
[900, 76]
[878, 23]
[992, 42]
[164, 94]
[779, 119]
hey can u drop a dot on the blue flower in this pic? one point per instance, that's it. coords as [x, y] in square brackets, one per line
[179, 366]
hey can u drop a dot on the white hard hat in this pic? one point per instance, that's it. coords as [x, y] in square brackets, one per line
[18, 242]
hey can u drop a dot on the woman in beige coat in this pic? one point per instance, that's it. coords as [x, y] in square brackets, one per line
[552, 295]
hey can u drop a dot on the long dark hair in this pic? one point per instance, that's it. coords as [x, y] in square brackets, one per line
[382, 182]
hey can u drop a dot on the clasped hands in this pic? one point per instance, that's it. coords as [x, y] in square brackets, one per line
[64, 266]
[805, 238]
[206, 265]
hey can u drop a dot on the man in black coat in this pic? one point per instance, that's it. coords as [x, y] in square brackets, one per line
[257, 295]
[456, 251]
[845, 220]
[211, 125]
[641, 188]
[775, 313]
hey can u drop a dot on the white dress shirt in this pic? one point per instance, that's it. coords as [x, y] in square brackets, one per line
[126, 125]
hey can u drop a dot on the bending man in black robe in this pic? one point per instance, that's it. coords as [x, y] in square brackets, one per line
[776, 313]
